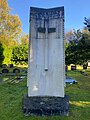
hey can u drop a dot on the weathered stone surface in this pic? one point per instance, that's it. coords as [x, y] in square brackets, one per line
[46, 71]
[45, 106]
[52, 13]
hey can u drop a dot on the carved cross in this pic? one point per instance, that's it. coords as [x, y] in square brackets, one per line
[46, 31]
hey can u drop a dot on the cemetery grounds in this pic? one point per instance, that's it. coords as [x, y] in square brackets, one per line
[12, 91]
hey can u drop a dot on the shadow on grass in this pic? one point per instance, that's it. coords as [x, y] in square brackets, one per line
[13, 77]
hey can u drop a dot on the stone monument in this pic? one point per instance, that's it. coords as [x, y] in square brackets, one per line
[46, 63]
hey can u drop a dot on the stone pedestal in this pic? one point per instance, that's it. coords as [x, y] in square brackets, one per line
[46, 106]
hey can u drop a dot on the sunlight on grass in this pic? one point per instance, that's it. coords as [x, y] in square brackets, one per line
[4, 79]
[80, 103]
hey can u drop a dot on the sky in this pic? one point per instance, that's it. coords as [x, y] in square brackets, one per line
[75, 11]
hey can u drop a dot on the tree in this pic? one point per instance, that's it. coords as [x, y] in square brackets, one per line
[1, 54]
[7, 54]
[10, 25]
[87, 23]
[20, 54]
[70, 53]
[69, 36]
[78, 50]
[10, 29]
[24, 39]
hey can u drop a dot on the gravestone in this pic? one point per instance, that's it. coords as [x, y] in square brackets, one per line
[84, 66]
[73, 67]
[16, 70]
[10, 65]
[46, 63]
[5, 71]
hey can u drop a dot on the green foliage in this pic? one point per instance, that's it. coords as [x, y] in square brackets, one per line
[87, 23]
[20, 54]
[24, 39]
[7, 54]
[78, 49]
[1, 54]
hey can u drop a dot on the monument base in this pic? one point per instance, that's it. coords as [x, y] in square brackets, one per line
[45, 106]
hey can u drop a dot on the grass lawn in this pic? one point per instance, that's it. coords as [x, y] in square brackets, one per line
[11, 95]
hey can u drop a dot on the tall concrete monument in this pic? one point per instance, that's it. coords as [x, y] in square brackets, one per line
[46, 63]
[46, 74]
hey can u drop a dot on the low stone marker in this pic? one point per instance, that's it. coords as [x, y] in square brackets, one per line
[84, 66]
[73, 67]
[10, 65]
[16, 70]
[5, 71]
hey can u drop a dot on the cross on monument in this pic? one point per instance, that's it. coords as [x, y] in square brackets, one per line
[46, 30]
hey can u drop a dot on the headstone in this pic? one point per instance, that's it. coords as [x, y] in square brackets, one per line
[73, 67]
[5, 71]
[84, 66]
[10, 65]
[46, 62]
[16, 70]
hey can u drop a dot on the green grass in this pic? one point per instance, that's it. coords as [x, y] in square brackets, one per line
[11, 95]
